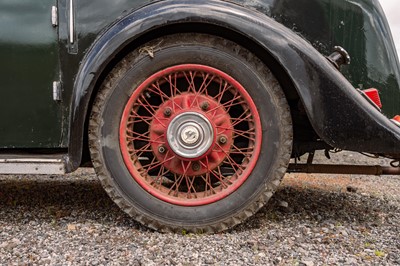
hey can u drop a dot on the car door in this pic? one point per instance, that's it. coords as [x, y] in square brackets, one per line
[30, 113]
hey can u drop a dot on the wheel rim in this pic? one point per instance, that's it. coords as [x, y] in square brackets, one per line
[190, 135]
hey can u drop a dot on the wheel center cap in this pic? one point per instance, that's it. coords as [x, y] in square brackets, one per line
[190, 135]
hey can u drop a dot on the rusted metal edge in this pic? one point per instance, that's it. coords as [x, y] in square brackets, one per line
[343, 169]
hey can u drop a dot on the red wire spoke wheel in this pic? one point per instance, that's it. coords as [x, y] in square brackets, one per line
[195, 137]
[190, 135]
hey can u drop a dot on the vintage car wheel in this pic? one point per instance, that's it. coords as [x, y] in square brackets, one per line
[190, 132]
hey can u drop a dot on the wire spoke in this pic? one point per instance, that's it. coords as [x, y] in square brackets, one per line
[245, 154]
[224, 182]
[176, 184]
[145, 103]
[207, 180]
[240, 119]
[161, 173]
[173, 86]
[228, 104]
[135, 116]
[203, 87]
[142, 137]
[144, 149]
[246, 134]
[222, 91]
[231, 161]
[155, 88]
[155, 163]
[149, 108]
[190, 187]
[190, 80]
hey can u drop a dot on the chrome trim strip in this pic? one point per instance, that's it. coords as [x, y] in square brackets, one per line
[56, 91]
[71, 22]
[54, 16]
[30, 160]
[32, 166]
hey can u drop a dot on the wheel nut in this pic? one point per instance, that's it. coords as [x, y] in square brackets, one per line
[223, 139]
[167, 112]
[162, 149]
[205, 106]
[195, 166]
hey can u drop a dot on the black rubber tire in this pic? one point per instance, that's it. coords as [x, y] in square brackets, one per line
[194, 49]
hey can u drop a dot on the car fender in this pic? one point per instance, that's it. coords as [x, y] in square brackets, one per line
[337, 112]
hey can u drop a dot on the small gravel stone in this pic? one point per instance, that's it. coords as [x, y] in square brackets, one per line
[283, 204]
[351, 261]
[311, 220]
[351, 189]
[307, 262]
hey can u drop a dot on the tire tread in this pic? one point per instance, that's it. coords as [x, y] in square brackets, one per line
[106, 180]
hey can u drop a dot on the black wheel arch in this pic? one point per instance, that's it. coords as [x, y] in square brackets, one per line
[302, 71]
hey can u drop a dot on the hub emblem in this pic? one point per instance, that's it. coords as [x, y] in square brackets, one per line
[190, 135]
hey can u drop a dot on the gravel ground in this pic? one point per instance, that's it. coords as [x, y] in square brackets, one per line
[311, 220]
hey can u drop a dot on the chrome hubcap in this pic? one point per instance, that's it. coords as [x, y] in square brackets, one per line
[190, 135]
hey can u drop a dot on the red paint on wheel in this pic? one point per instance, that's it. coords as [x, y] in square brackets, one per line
[214, 174]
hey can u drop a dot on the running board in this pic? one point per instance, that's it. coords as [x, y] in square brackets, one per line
[31, 165]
